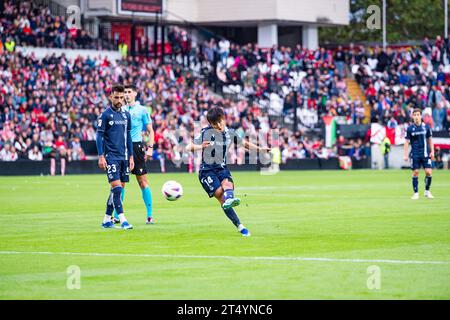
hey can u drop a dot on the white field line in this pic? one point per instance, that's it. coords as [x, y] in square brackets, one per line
[313, 187]
[181, 256]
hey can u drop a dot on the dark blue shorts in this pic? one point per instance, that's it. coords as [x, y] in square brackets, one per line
[424, 162]
[117, 170]
[211, 179]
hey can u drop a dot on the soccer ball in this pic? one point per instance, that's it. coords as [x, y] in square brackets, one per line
[172, 190]
[345, 162]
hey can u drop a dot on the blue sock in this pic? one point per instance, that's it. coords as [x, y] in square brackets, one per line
[427, 183]
[109, 205]
[228, 194]
[231, 214]
[147, 196]
[122, 196]
[117, 201]
[415, 183]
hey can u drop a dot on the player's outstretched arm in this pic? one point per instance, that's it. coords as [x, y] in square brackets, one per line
[195, 147]
[251, 146]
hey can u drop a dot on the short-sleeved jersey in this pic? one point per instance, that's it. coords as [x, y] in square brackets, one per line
[215, 155]
[116, 125]
[418, 138]
[139, 120]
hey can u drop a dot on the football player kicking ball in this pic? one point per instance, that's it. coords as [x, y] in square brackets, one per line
[115, 152]
[422, 152]
[214, 175]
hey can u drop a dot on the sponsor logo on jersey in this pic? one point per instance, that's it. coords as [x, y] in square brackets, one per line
[120, 122]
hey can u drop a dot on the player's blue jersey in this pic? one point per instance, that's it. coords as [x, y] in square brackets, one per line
[116, 126]
[418, 138]
[215, 155]
[139, 120]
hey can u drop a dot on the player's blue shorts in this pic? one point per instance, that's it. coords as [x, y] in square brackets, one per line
[424, 162]
[117, 170]
[211, 179]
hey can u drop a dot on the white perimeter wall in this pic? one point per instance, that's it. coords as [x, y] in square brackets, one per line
[395, 157]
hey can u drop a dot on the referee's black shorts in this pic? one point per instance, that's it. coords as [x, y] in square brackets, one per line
[139, 159]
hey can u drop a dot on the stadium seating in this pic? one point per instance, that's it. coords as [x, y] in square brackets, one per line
[42, 99]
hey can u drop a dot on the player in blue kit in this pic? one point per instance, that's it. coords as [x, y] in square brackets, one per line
[140, 123]
[214, 175]
[422, 152]
[115, 152]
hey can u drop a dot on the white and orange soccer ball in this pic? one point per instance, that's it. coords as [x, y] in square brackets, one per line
[345, 162]
[172, 190]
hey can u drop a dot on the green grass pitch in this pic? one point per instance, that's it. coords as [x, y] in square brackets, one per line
[354, 220]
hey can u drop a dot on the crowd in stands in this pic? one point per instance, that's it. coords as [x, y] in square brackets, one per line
[279, 79]
[400, 79]
[48, 106]
[25, 23]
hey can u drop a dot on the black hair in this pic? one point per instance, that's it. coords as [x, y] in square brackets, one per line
[131, 86]
[214, 115]
[117, 88]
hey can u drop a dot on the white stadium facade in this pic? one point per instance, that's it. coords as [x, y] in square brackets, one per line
[266, 22]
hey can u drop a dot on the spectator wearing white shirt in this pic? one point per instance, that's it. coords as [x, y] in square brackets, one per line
[13, 155]
[34, 154]
[4, 153]
[285, 154]
[8, 153]
[224, 50]
[77, 150]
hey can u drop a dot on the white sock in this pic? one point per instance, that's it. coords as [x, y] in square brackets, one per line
[240, 227]
[122, 218]
[107, 218]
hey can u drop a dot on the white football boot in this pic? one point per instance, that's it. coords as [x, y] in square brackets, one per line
[428, 194]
